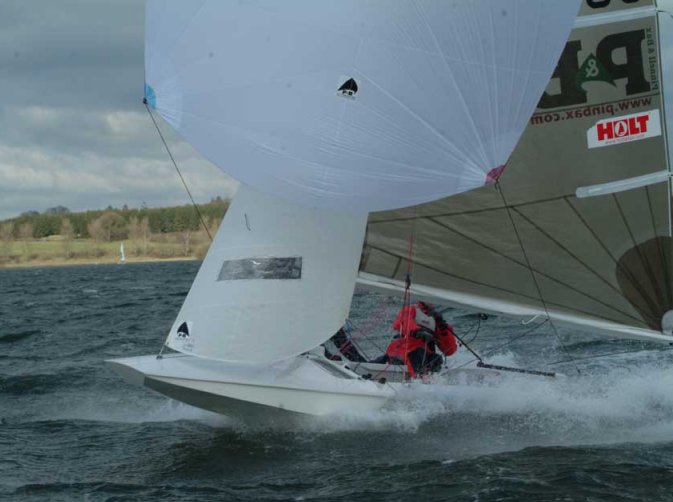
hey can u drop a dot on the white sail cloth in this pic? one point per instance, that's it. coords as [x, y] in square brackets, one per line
[366, 105]
[277, 281]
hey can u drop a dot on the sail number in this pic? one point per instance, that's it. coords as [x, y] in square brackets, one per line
[599, 4]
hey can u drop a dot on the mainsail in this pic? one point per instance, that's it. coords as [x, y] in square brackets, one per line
[604, 261]
[365, 105]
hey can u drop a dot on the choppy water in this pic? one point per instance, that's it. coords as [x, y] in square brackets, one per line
[70, 429]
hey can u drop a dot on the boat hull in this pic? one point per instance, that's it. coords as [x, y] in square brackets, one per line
[304, 385]
[308, 385]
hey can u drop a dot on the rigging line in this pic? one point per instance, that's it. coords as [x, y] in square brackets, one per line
[498, 187]
[476, 324]
[476, 333]
[516, 338]
[175, 164]
[472, 330]
[504, 345]
[662, 254]
[636, 284]
[645, 262]
[470, 349]
[365, 331]
[606, 354]
[407, 292]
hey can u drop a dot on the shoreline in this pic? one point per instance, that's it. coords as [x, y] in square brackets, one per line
[87, 261]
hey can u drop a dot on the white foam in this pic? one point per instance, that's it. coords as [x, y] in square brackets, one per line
[627, 401]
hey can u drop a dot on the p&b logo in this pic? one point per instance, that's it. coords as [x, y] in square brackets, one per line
[617, 57]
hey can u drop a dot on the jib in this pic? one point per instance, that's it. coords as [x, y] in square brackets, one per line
[569, 65]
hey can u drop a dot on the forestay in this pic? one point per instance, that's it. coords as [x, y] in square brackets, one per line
[365, 105]
[277, 281]
[602, 262]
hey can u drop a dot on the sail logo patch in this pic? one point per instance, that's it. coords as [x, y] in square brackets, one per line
[592, 70]
[183, 339]
[634, 127]
[183, 331]
[348, 89]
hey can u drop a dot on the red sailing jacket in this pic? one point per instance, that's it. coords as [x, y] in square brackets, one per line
[446, 341]
[405, 324]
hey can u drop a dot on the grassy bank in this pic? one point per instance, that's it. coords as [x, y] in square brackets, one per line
[56, 251]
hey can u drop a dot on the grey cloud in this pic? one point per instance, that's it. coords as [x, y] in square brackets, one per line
[35, 180]
[70, 130]
[73, 53]
[74, 130]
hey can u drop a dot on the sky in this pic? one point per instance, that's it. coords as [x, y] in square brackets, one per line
[73, 130]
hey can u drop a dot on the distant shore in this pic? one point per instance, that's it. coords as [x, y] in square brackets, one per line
[89, 261]
[57, 252]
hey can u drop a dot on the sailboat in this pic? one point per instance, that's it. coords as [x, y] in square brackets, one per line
[359, 129]
[122, 256]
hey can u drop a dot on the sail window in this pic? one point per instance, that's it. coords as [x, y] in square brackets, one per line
[261, 268]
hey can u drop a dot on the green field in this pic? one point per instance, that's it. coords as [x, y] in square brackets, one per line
[55, 250]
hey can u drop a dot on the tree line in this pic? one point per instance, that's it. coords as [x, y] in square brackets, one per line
[112, 223]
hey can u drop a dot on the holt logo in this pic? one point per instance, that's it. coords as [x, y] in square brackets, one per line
[624, 129]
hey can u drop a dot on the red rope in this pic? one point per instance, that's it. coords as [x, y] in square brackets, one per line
[406, 301]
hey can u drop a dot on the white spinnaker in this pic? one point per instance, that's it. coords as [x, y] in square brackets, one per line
[444, 90]
[233, 314]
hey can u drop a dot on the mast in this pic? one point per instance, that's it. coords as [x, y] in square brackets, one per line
[664, 121]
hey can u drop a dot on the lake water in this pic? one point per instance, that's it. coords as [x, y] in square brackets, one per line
[70, 429]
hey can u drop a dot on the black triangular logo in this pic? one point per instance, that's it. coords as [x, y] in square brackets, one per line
[183, 331]
[349, 88]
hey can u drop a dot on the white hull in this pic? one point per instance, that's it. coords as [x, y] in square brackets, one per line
[306, 384]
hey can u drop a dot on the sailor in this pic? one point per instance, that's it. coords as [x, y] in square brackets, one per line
[421, 330]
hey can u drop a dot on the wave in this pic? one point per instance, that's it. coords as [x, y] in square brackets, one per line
[20, 335]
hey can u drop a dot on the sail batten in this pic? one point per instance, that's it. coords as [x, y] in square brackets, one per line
[590, 20]
[623, 185]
